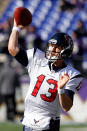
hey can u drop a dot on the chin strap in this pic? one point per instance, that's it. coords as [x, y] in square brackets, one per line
[54, 58]
[52, 66]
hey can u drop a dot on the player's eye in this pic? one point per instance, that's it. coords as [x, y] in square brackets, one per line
[53, 52]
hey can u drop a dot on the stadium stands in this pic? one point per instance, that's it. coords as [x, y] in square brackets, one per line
[47, 16]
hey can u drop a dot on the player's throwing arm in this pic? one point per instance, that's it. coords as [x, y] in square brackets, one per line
[22, 18]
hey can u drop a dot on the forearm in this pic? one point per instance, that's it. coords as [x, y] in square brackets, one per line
[65, 102]
[13, 43]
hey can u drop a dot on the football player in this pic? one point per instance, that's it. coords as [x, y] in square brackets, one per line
[52, 82]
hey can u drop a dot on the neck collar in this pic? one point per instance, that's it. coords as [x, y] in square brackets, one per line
[56, 68]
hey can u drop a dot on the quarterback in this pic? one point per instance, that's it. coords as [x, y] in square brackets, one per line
[52, 82]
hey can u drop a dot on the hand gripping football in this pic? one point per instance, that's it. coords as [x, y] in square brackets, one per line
[22, 16]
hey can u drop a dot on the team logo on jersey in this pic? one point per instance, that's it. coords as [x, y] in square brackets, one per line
[36, 121]
[52, 41]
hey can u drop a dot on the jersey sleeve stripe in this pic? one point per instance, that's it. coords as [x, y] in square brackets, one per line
[34, 52]
[77, 76]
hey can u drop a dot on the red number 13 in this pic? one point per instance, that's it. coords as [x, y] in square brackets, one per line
[53, 91]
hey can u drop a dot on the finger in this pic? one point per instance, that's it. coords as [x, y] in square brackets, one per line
[61, 77]
[66, 75]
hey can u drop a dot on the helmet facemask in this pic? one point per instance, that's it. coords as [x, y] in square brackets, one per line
[53, 56]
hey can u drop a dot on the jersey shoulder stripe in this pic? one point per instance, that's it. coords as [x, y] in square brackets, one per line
[77, 76]
[75, 79]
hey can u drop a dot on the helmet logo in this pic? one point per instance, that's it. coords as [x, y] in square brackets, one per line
[67, 38]
[52, 41]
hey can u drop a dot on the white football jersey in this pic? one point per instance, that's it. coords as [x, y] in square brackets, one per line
[42, 102]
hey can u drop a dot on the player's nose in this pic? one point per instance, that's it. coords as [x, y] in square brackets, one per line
[53, 49]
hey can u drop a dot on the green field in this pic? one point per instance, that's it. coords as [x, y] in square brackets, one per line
[9, 126]
[79, 127]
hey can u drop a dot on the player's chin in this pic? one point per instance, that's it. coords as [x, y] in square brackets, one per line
[58, 61]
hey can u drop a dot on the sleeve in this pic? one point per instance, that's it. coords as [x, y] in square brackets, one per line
[29, 57]
[69, 93]
[34, 56]
[74, 84]
[22, 58]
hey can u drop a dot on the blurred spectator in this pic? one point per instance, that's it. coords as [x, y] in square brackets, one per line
[80, 46]
[5, 30]
[9, 80]
[67, 5]
[81, 30]
[21, 39]
[76, 45]
[72, 5]
[77, 52]
[31, 36]
[32, 39]
[38, 43]
[81, 4]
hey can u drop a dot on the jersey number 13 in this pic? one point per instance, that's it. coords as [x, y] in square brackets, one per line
[53, 91]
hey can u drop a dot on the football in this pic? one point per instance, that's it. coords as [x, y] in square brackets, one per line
[22, 16]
